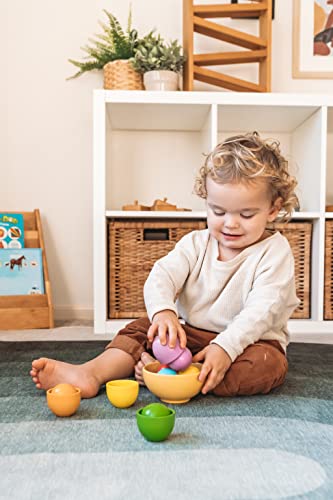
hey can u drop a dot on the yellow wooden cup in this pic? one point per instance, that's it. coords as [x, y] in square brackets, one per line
[122, 393]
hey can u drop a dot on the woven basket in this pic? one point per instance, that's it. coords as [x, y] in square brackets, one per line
[134, 247]
[120, 75]
[299, 235]
[328, 293]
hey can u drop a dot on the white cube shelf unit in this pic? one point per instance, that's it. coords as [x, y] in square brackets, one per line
[149, 145]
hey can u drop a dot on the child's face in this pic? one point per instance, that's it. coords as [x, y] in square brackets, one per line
[237, 214]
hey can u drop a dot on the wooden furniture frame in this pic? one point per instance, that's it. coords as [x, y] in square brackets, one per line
[20, 312]
[258, 48]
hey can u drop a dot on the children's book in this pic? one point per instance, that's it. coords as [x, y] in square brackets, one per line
[11, 230]
[21, 271]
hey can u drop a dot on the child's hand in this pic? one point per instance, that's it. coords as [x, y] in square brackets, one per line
[166, 323]
[217, 363]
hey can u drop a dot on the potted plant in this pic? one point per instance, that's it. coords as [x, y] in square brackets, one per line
[159, 62]
[112, 51]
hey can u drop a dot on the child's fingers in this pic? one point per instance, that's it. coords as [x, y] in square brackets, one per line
[152, 331]
[162, 333]
[173, 334]
[209, 384]
[199, 356]
[212, 381]
[182, 337]
[204, 372]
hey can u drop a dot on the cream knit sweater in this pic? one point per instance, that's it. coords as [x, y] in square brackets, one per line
[247, 298]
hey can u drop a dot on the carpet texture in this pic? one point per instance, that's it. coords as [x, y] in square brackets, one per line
[261, 447]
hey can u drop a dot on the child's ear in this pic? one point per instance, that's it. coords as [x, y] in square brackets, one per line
[275, 209]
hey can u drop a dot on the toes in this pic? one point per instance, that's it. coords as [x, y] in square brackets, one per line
[34, 364]
[39, 364]
[146, 358]
[139, 380]
[139, 365]
[138, 372]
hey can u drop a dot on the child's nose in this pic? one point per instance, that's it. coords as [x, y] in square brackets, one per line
[231, 221]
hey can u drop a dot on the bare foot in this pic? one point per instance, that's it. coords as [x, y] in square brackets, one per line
[145, 359]
[47, 373]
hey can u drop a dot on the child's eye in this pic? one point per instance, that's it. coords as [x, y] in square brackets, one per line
[247, 216]
[219, 214]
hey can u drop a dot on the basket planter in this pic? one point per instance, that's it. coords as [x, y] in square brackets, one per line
[161, 80]
[120, 75]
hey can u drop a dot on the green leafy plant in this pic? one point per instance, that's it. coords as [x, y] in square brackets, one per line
[112, 44]
[153, 53]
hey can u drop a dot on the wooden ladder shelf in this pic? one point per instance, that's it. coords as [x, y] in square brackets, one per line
[257, 48]
[20, 312]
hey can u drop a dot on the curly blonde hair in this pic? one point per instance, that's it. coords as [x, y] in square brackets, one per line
[247, 158]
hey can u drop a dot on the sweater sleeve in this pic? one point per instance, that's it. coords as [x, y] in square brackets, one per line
[168, 276]
[268, 305]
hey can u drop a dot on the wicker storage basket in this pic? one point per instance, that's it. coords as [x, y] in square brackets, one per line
[328, 294]
[120, 75]
[134, 246]
[299, 235]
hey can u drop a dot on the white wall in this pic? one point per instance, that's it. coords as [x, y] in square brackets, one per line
[46, 121]
[3, 103]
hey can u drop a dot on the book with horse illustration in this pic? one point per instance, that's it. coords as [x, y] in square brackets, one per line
[21, 271]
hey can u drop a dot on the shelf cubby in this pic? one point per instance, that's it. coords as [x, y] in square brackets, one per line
[158, 148]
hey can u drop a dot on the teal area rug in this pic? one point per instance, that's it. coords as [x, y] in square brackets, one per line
[261, 447]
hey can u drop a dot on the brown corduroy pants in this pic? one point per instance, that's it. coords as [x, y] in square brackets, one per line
[259, 369]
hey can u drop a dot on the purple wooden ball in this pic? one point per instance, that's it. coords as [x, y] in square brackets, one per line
[177, 358]
[165, 354]
[183, 361]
